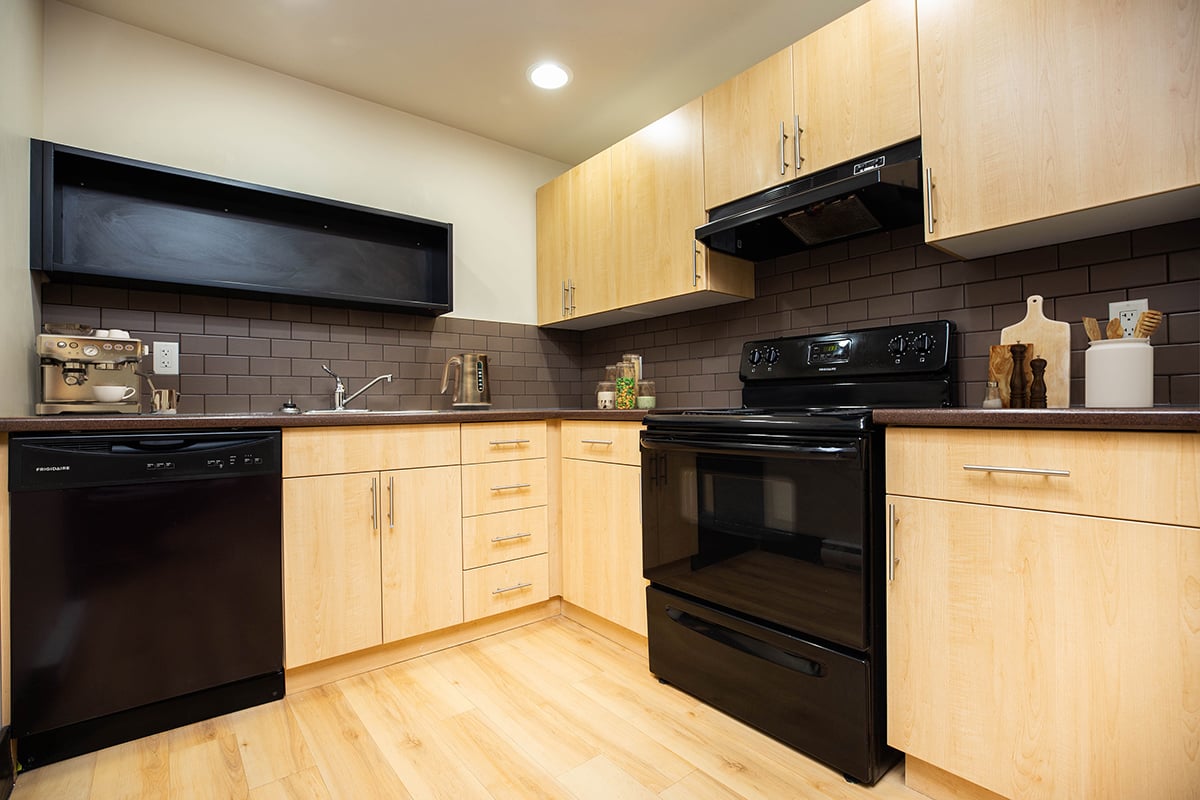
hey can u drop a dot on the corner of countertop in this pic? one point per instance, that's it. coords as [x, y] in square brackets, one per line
[1159, 418]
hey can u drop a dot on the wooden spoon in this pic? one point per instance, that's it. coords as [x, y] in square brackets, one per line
[1114, 329]
[1093, 329]
[1147, 324]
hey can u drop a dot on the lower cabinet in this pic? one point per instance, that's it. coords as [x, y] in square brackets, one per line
[369, 558]
[602, 521]
[1051, 651]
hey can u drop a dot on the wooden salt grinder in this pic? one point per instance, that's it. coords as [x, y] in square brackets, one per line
[1037, 389]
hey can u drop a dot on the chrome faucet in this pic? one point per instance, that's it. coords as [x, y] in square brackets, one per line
[340, 399]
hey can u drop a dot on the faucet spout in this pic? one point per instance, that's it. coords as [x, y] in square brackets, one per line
[340, 404]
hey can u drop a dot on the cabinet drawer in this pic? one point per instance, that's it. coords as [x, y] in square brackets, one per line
[368, 448]
[492, 538]
[503, 587]
[615, 442]
[1148, 477]
[503, 486]
[503, 441]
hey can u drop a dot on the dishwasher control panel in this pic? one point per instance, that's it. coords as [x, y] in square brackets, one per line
[108, 459]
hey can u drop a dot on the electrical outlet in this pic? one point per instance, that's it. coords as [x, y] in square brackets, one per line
[1128, 312]
[166, 358]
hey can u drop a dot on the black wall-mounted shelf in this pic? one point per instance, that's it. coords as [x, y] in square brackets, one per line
[100, 218]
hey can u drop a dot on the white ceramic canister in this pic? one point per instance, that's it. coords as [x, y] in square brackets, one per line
[1119, 373]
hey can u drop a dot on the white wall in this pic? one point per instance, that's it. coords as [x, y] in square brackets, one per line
[118, 89]
[20, 119]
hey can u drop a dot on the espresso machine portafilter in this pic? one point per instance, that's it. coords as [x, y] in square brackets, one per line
[89, 374]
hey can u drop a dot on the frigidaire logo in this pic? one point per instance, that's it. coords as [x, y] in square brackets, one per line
[56, 468]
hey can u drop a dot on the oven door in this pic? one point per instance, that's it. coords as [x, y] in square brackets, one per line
[773, 529]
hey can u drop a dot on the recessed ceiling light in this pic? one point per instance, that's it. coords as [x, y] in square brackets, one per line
[548, 75]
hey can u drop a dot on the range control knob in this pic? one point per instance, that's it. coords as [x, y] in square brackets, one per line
[754, 357]
[897, 346]
[923, 343]
[772, 355]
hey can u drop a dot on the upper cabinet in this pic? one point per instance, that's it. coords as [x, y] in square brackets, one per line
[1046, 122]
[855, 83]
[846, 90]
[616, 234]
[748, 128]
[574, 242]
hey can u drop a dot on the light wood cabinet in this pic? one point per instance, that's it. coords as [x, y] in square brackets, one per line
[601, 522]
[658, 202]
[1038, 653]
[855, 85]
[748, 123]
[503, 558]
[574, 242]
[1046, 122]
[370, 556]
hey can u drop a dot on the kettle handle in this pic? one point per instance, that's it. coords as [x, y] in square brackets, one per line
[446, 370]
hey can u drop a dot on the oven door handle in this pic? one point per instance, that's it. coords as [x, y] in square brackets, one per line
[806, 450]
[747, 644]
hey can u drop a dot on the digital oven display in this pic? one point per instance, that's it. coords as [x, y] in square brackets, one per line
[834, 351]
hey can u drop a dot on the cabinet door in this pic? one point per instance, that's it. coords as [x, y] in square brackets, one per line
[855, 84]
[591, 280]
[744, 151]
[658, 202]
[1045, 655]
[602, 541]
[1033, 109]
[421, 524]
[330, 566]
[552, 235]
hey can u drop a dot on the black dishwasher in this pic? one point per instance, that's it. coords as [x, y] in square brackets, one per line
[147, 587]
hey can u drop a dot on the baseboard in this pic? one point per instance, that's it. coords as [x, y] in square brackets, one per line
[938, 784]
[606, 628]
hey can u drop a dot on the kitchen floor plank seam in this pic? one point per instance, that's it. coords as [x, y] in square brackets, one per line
[550, 710]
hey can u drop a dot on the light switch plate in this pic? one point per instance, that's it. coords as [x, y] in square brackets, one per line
[1128, 311]
[166, 358]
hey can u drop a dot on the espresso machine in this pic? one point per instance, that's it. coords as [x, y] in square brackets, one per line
[86, 373]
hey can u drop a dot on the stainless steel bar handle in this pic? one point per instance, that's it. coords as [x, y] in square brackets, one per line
[512, 588]
[499, 442]
[695, 256]
[929, 199]
[564, 298]
[374, 504]
[797, 130]
[782, 150]
[511, 486]
[1056, 473]
[605, 442]
[391, 501]
[891, 548]
[510, 537]
[571, 290]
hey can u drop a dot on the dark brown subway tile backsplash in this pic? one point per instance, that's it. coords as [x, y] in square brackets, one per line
[240, 355]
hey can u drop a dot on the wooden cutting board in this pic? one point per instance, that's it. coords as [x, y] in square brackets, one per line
[1051, 340]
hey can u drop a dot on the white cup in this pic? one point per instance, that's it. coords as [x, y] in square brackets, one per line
[113, 394]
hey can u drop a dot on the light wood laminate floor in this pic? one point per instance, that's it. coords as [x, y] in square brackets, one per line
[549, 710]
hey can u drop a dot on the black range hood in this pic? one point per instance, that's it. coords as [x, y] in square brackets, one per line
[875, 193]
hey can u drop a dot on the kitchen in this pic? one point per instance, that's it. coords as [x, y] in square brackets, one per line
[231, 349]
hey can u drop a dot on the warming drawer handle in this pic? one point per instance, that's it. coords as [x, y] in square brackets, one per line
[1054, 473]
[501, 442]
[811, 451]
[511, 486]
[512, 588]
[510, 537]
[748, 644]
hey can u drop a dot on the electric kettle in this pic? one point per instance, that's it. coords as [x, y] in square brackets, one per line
[471, 389]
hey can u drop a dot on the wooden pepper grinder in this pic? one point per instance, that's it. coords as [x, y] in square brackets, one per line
[1037, 389]
[1016, 384]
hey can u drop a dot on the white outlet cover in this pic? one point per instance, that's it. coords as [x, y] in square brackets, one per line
[166, 358]
[1128, 311]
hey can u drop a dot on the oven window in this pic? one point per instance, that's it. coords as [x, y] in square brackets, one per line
[778, 538]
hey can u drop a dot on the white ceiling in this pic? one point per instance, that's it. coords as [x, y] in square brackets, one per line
[463, 62]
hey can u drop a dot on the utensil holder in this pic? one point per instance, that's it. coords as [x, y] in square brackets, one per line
[1119, 373]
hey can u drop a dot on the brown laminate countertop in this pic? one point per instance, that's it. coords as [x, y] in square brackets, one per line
[1178, 418]
[61, 423]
